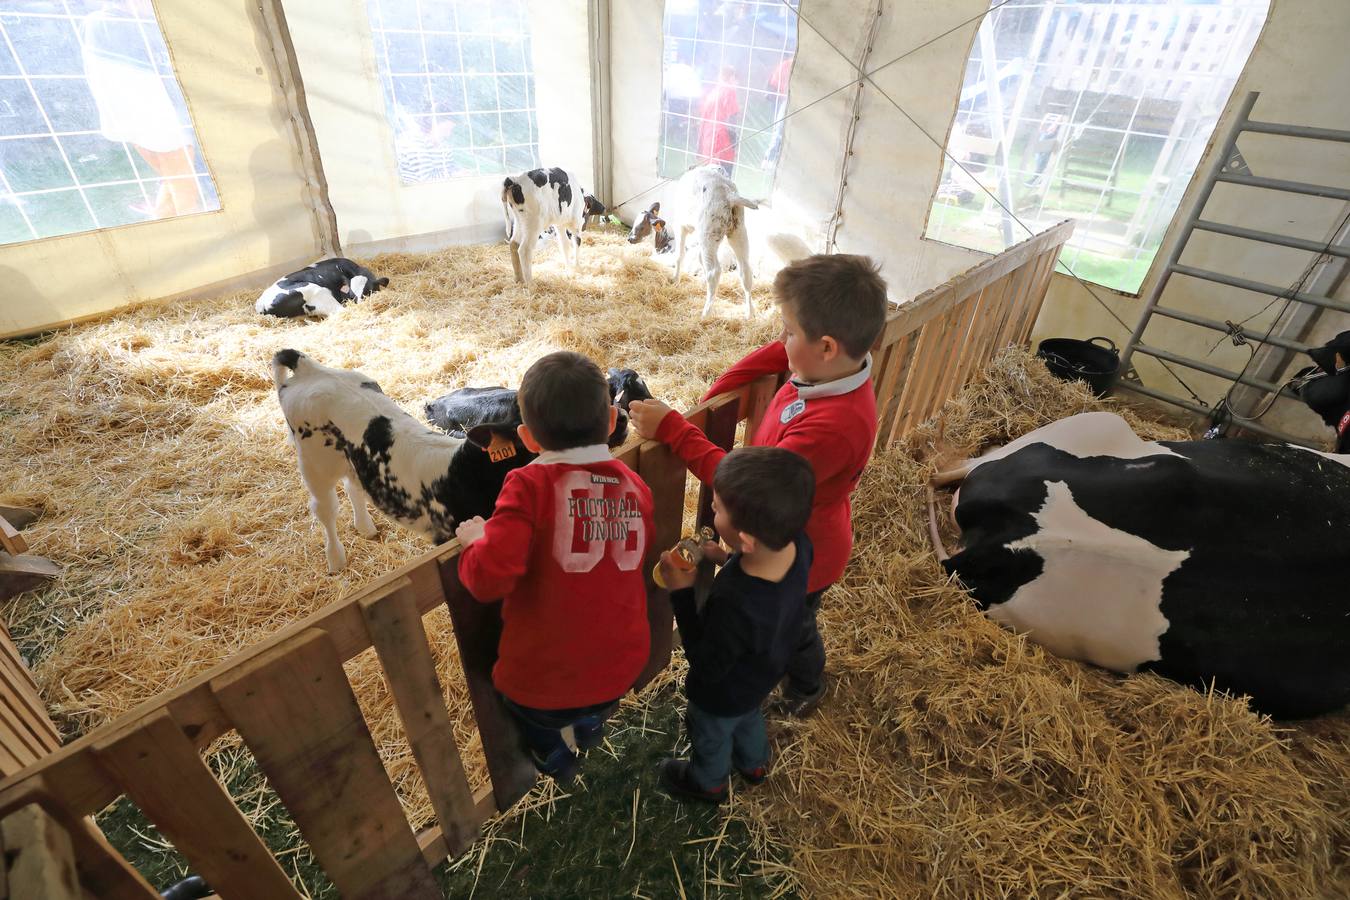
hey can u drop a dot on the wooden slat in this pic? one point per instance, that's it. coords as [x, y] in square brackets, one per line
[666, 475]
[759, 395]
[10, 538]
[296, 711]
[24, 572]
[959, 343]
[432, 841]
[887, 382]
[401, 642]
[985, 349]
[1039, 288]
[920, 365]
[38, 861]
[895, 404]
[478, 628]
[930, 373]
[103, 871]
[165, 777]
[979, 329]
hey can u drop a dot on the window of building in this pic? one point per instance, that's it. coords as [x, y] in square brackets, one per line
[94, 131]
[458, 86]
[724, 84]
[1096, 111]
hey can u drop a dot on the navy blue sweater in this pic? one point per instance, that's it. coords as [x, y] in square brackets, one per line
[738, 647]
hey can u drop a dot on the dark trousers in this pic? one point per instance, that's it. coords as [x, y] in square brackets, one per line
[807, 666]
[716, 742]
[542, 728]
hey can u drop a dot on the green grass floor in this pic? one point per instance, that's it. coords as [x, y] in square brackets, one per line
[614, 833]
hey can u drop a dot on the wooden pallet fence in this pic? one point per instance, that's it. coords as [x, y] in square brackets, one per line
[289, 698]
[943, 339]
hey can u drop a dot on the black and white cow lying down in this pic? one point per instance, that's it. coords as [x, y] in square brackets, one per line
[319, 289]
[537, 201]
[345, 429]
[1217, 562]
[456, 412]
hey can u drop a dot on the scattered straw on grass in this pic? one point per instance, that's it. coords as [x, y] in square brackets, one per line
[955, 759]
[154, 444]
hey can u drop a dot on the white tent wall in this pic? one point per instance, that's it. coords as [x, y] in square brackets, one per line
[376, 211]
[224, 59]
[1297, 64]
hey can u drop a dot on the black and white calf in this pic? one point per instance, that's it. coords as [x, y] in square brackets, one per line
[319, 289]
[1209, 562]
[704, 207]
[538, 200]
[459, 411]
[345, 429]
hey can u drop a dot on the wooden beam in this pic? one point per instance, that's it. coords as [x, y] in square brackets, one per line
[165, 777]
[401, 642]
[24, 572]
[478, 628]
[10, 539]
[296, 711]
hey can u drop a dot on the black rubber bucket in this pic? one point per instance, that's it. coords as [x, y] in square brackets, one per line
[1070, 359]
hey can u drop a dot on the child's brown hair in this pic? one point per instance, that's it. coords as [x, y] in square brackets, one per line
[840, 295]
[564, 399]
[767, 493]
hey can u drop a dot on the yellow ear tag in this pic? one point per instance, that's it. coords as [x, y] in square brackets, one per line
[501, 448]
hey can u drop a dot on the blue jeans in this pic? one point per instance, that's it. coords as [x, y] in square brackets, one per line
[716, 742]
[542, 729]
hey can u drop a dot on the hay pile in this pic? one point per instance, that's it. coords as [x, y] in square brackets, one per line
[954, 759]
[155, 446]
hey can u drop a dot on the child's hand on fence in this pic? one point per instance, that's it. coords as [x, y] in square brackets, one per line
[470, 530]
[675, 576]
[715, 552]
[646, 416]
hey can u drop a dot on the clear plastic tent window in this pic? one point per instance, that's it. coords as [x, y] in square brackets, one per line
[94, 131]
[724, 86]
[1098, 112]
[458, 85]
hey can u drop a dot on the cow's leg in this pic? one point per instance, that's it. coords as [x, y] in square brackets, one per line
[712, 271]
[681, 244]
[365, 525]
[740, 245]
[576, 249]
[564, 243]
[514, 249]
[321, 469]
[525, 250]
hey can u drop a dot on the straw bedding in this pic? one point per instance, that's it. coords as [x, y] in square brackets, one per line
[951, 759]
[955, 759]
[154, 444]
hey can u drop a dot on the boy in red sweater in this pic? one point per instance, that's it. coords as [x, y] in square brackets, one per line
[833, 309]
[564, 548]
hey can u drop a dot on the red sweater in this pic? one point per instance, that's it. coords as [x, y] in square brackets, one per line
[564, 547]
[833, 425]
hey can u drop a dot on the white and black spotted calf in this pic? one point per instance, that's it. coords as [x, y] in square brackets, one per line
[345, 429]
[703, 208]
[538, 200]
[457, 412]
[1217, 562]
[319, 289]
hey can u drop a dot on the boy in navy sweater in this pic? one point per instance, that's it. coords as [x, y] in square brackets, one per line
[564, 548]
[739, 645]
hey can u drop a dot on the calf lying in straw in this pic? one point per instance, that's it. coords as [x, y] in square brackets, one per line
[345, 429]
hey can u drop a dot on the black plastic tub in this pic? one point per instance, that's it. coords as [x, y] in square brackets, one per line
[1072, 359]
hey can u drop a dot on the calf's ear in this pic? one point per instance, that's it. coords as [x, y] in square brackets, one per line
[480, 436]
[383, 282]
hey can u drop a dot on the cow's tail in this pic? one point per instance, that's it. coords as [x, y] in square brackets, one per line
[512, 196]
[284, 361]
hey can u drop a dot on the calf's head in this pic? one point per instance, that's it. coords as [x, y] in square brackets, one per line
[591, 207]
[650, 223]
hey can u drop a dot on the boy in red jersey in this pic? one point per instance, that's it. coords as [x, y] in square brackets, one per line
[833, 309]
[564, 547]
